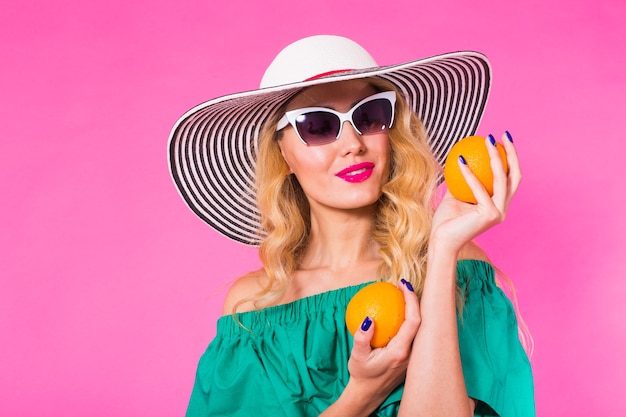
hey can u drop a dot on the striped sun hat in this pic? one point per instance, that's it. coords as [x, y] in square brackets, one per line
[212, 147]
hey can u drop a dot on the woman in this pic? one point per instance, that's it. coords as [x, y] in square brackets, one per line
[342, 195]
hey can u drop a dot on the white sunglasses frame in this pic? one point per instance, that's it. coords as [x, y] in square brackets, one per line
[291, 116]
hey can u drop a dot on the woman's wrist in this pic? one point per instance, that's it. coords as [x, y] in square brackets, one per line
[442, 250]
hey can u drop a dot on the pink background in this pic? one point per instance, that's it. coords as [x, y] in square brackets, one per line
[110, 287]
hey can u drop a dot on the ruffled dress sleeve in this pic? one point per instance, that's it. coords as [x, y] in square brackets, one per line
[289, 360]
[496, 368]
[495, 365]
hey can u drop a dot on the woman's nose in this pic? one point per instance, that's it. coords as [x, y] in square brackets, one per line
[351, 141]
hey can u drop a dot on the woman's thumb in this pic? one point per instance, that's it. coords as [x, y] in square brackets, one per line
[363, 337]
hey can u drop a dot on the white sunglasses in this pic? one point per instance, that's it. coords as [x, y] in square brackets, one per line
[320, 125]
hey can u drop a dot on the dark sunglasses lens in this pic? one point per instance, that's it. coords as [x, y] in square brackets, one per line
[373, 116]
[318, 127]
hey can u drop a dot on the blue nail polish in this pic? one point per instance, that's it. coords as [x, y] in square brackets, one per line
[408, 284]
[492, 139]
[463, 161]
[366, 324]
[508, 136]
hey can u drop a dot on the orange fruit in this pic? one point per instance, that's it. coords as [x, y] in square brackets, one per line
[382, 302]
[474, 150]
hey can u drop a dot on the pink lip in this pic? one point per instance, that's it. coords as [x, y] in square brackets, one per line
[357, 172]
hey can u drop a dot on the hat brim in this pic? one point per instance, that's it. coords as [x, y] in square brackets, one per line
[212, 147]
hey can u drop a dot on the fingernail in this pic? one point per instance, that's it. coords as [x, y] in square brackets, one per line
[508, 136]
[463, 161]
[408, 284]
[492, 139]
[366, 324]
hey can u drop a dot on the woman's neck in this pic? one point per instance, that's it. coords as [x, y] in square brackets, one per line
[340, 239]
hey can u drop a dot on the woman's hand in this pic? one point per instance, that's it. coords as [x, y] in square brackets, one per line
[456, 223]
[375, 373]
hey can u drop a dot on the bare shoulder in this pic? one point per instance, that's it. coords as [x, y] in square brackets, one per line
[243, 287]
[473, 251]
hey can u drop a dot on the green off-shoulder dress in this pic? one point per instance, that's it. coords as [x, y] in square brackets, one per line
[291, 360]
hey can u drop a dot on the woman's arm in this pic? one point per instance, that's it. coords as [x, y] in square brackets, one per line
[434, 384]
[440, 302]
[435, 376]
